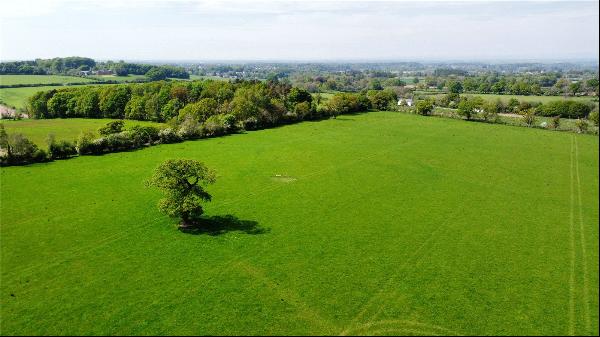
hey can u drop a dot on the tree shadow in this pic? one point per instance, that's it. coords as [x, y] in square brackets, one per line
[222, 224]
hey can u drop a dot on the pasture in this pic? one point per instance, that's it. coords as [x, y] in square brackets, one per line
[37, 130]
[506, 98]
[40, 79]
[17, 97]
[120, 79]
[376, 223]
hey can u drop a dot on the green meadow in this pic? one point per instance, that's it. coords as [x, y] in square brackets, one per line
[40, 79]
[128, 78]
[379, 223]
[17, 97]
[524, 98]
[37, 130]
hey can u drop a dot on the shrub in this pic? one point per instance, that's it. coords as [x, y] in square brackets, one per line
[18, 150]
[168, 135]
[555, 123]
[144, 134]
[593, 117]
[189, 128]
[581, 125]
[60, 149]
[215, 126]
[529, 118]
[424, 107]
[250, 123]
[111, 127]
[84, 143]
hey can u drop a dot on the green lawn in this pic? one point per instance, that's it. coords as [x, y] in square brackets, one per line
[40, 79]
[68, 129]
[381, 223]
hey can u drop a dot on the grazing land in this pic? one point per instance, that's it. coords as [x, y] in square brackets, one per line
[63, 129]
[128, 78]
[377, 223]
[524, 98]
[40, 79]
[17, 97]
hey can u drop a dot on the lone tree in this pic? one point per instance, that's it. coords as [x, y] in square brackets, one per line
[424, 107]
[182, 180]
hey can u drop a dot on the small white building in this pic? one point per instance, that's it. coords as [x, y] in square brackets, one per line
[405, 101]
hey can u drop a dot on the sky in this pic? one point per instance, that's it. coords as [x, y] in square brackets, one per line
[298, 30]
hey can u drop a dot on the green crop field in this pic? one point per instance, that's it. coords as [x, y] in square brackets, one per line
[37, 130]
[40, 79]
[376, 223]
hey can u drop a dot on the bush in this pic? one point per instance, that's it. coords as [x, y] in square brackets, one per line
[593, 117]
[85, 143]
[424, 107]
[581, 125]
[168, 135]
[190, 128]
[60, 149]
[215, 126]
[144, 134]
[555, 123]
[111, 127]
[18, 150]
[529, 117]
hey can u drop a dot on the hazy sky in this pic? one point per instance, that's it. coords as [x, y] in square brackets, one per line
[302, 30]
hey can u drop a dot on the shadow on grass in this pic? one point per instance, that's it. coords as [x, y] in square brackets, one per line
[222, 224]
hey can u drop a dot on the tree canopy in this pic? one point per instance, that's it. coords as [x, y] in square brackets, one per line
[183, 181]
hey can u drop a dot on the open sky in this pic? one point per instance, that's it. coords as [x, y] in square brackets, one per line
[298, 30]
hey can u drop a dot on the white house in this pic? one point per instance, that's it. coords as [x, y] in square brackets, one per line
[405, 101]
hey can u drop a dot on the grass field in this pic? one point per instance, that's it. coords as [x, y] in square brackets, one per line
[127, 78]
[380, 223]
[68, 129]
[40, 79]
[17, 97]
[506, 98]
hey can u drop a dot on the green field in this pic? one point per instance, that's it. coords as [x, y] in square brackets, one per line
[506, 98]
[40, 79]
[377, 223]
[17, 97]
[68, 129]
[127, 78]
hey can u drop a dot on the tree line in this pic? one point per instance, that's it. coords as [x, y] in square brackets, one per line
[191, 109]
[74, 65]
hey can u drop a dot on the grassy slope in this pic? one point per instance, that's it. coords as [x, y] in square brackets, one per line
[40, 79]
[396, 224]
[38, 129]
